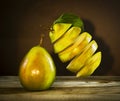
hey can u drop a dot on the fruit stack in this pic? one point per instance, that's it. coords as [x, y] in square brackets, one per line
[74, 45]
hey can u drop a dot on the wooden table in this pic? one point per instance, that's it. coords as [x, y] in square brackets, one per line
[93, 88]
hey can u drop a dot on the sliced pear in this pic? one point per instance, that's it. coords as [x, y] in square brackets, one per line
[90, 66]
[72, 46]
[76, 48]
[67, 39]
[58, 30]
[78, 62]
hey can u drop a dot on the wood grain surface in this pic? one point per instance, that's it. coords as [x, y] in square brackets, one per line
[93, 88]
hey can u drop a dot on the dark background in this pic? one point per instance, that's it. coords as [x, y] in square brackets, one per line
[22, 22]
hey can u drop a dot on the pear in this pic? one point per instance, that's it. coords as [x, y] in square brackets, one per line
[37, 69]
[75, 46]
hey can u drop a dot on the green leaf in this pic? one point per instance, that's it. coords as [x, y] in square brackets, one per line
[70, 18]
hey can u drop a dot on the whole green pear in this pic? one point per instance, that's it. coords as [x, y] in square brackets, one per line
[37, 69]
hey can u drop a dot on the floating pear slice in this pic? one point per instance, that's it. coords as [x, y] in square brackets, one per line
[67, 39]
[58, 30]
[78, 46]
[90, 66]
[78, 62]
[72, 19]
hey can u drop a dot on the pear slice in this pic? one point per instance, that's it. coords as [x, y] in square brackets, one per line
[90, 66]
[78, 46]
[58, 30]
[67, 39]
[78, 62]
[76, 21]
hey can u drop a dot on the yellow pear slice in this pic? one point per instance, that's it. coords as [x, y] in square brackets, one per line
[58, 30]
[79, 61]
[90, 66]
[67, 39]
[78, 46]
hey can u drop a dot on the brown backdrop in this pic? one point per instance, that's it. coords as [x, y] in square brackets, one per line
[23, 21]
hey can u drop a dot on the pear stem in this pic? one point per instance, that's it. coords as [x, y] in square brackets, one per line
[41, 39]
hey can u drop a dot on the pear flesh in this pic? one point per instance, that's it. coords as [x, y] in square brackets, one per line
[80, 43]
[58, 30]
[78, 62]
[37, 70]
[90, 66]
[67, 40]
